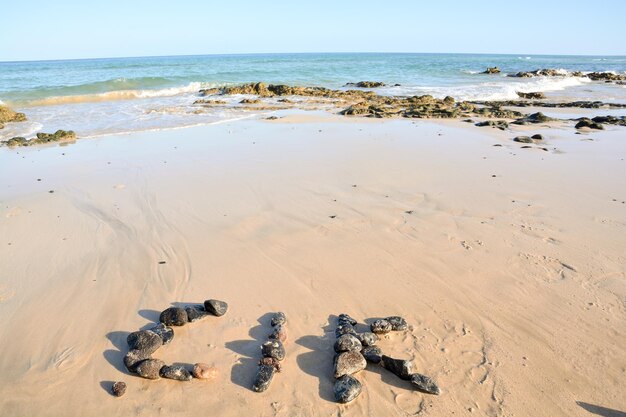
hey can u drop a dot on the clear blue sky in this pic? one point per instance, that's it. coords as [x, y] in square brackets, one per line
[60, 29]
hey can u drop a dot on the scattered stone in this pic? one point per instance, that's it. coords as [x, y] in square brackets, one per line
[216, 307]
[279, 333]
[263, 378]
[278, 319]
[367, 338]
[348, 343]
[499, 124]
[348, 363]
[118, 389]
[195, 313]
[210, 102]
[344, 329]
[381, 326]
[204, 371]
[174, 316]
[531, 96]
[533, 119]
[271, 361]
[372, 354]
[273, 349]
[165, 333]
[250, 101]
[133, 358]
[144, 340]
[492, 70]
[347, 388]
[346, 319]
[150, 368]
[400, 368]
[611, 120]
[523, 139]
[271, 118]
[425, 384]
[537, 137]
[588, 123]
[176, 372]
[397, 323]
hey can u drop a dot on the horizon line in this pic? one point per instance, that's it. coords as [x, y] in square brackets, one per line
[303, 53]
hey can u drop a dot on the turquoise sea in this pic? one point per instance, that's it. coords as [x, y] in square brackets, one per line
[114, 95]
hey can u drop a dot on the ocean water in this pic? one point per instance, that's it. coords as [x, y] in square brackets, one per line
[114, 95]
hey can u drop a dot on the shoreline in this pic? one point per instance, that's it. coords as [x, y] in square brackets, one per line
[514, 299]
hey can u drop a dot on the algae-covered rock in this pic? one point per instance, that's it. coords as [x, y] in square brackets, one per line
[492, 70]
[531, 96]
[43, 138]
[8, 115]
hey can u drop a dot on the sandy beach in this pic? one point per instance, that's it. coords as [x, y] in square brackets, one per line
[508, 263]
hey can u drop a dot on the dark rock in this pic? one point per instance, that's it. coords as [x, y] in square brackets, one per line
[533, 119]
[367, 338]
[523, 139]
[144, 340]
[43, 138]
[537, 137]
[397, 323]
[271, 361]
[531, 96]
[176, 372]
[399, 367]
[381, 326]
[195, 313]
[216, 307]
[346, 319]
[278, 319]
[424, 384]
[210, 102]
[348, 343]
[250, 101]
[344, 329]
[263, 378]
[588, 123]
[273, 349]
[150, 368]
[611, 120]
[372, 354]
[174, 316]
[492, 70]
[118, 389]
[348, 363]
[133, 358]
[279, 332]
[346, 389]
[165, 333]
[366, 84]
[499, 124]
[606, 76]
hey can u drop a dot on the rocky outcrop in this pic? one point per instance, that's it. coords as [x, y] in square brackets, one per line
[43, 138]
[568, 104]
[7, 115]
[533, 119]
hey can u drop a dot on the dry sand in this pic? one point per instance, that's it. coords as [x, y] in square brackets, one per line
[509, 263]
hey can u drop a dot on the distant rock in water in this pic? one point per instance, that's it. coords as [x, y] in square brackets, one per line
[346, 389]
[492, 70]
[366, 84]
[531, 96]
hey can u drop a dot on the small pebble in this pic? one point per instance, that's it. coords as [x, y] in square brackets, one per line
[204, 371]
[118, 389]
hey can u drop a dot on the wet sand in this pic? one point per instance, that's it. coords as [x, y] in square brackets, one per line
[509, 263]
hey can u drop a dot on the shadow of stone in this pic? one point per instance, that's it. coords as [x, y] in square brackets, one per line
[151, 315]
[319, 361]
[600, 411]
[243, 372]
[107, 386]
[389, 378]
